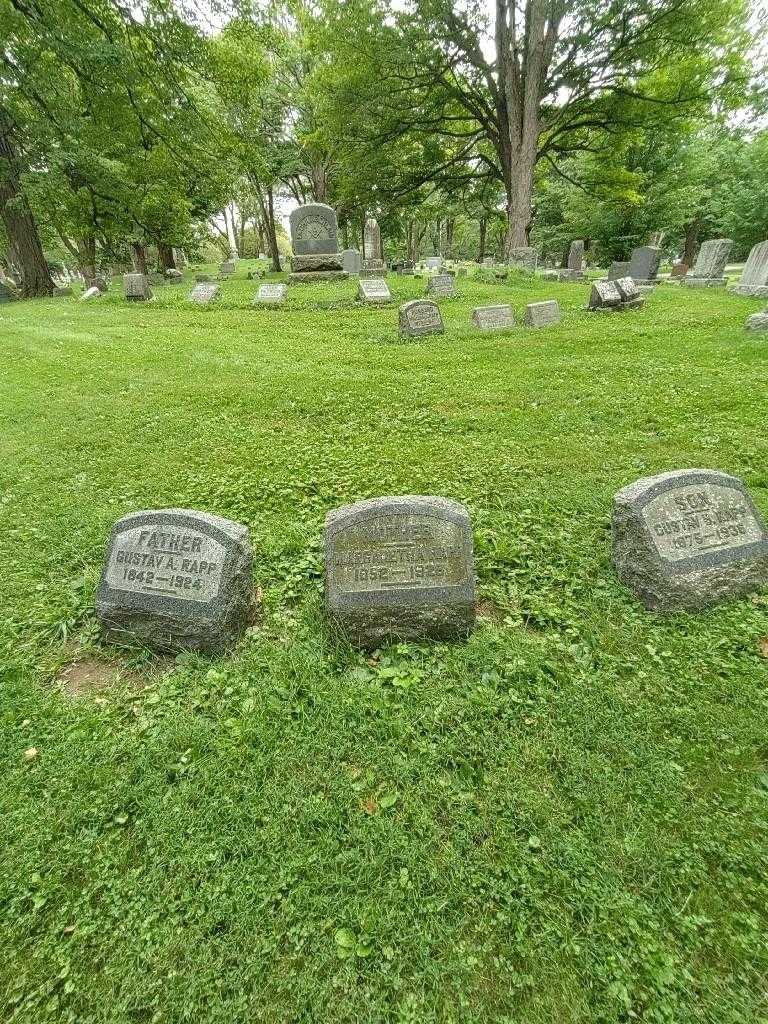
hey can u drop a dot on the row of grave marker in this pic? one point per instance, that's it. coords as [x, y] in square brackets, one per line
[402, 567]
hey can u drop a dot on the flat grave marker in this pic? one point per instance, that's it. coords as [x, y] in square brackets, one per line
[271, 295]
[204, 293]
[373, 290]
[542, 314]
[493, 318]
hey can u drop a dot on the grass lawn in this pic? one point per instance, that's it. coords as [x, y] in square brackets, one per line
[562, 820]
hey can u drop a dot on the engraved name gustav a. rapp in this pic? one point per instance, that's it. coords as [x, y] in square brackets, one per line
[701, 519]
[399, 551]
[166, 561]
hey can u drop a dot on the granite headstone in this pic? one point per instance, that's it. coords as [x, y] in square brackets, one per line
[754, 277]
[373, 290]
[419, 317]
[542, 314]
[709, 269]
[493, 318]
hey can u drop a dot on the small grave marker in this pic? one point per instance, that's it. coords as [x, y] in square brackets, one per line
[204, 293]
[442, 285]
[271, 295]
[493, 318]
[688, 539]
[400, 568]
[177, 579]
[136, 288]
[419, 317]
[374, 290]
[542, 314]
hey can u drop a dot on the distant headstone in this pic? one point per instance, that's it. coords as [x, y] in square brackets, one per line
[406, 268]
[314, 236]
[373, 289]
[350, 260]
[136, 287]
[372, 239]
[174, 276]
[226, 268]
[177, 579]
[758, 321]
[434, 262]
[754, 277]
[688, 539]
[271, 295]
[418, 317]
[493, 318]
[525, 257]
[7, 293]
[709, 269]
[618, 269]
[202, 278]
[679, 270]
[575, 262]
[542, 314]
[442, 285]
[91, 293]
[204, 293]
[400, 568]
[644, 264]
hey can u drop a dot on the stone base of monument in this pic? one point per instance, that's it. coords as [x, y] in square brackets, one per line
[703, 282]
[563, 275]
[752, 292]
[313, 262]
[688, 539]
[757, 322]
[645, 282]
[307, 277]
[400, 568]
[373, 272]
[177, 579]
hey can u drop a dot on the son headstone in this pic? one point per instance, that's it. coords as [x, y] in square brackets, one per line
[400, 568]
[177, 579]
[754, 277]
[493, 318]
[709, 269]
[688, 539]
[542, 314]
[419, 317]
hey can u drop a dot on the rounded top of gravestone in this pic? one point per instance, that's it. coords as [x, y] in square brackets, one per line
[400, 504]
[314, 229]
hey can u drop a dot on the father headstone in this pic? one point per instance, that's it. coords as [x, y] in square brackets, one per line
[374, 290]
[204, 293]
[758, 321]
[493, 318]
[314, 236]
[136, 287]
[709, 269]
[400, 568]
[177, 579]
[542, 314]
[442, 286]
[418, 317]
[644, 264]
[688, 539]
[350, 259]
[271, 295]
[526, 258]
[754, 277]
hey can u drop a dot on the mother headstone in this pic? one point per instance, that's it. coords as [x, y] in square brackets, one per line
[176, 579]
[400, 568]
[688, 538]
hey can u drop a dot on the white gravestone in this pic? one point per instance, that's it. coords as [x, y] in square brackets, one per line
[271, 295]
[374, 290]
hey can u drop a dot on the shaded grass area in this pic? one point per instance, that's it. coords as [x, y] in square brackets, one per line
[563, 819]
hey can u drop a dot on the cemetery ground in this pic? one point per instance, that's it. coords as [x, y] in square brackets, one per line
[563, 819]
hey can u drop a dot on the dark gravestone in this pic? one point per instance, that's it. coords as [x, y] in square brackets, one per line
[400, 568]
[204, 293]
[688, 539]
[709, 269]
[618, 269]
[177, 579]
[493, 318]
[542, 314]
[136, 288]
[754, 277]
[350, 259]
[314, 230]
[576, 256]
[419, 317]
[442, 285]
[524, 258]
[644, 264]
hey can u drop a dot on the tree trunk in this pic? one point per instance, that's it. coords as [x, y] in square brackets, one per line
[483, 224]
[269, 223]
[139, 257]
[165, 257]
[26, 249]
[86, 257]
[450, 226]
[691, 238]
[519, 194]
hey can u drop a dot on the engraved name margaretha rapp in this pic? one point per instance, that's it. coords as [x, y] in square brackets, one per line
[166, 561]
[394, 551]
[700, 519]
